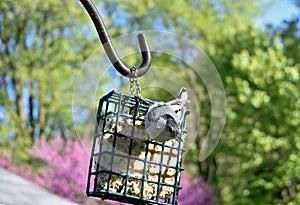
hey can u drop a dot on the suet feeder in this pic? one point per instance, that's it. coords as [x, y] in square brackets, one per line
[126, 165]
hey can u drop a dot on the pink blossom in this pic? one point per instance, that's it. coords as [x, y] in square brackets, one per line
[65, 173]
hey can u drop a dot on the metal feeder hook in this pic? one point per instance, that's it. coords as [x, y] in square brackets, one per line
[109, 48]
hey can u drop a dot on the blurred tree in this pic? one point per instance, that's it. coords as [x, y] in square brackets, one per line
[256, 157]
[291, 39]
[42, 45]
[290, 36]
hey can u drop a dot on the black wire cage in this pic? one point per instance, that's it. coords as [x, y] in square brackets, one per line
[125, 165]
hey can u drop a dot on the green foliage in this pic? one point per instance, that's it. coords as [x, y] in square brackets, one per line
[288, 33]
[41, 49]
[291, 39]
[262, 128]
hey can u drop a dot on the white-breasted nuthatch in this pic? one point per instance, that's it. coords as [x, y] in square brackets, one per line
[163, 120]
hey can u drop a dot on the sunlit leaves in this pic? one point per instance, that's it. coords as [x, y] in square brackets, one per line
[41, 46]
[263, 117]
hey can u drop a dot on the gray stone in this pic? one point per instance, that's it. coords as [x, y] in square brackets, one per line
[14, 190]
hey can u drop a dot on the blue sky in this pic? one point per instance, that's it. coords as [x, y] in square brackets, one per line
[278, 11]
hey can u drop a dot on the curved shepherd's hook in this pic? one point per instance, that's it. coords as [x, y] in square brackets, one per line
[109, 48]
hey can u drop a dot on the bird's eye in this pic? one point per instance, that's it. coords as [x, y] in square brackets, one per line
[170, 129]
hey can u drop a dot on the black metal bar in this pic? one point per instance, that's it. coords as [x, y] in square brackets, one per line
[109, 48]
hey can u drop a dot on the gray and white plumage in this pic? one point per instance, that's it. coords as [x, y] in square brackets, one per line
[163, 120]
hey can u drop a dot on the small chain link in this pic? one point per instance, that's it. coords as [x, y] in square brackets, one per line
[134, 83]
[138, 87]
[131, 86]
